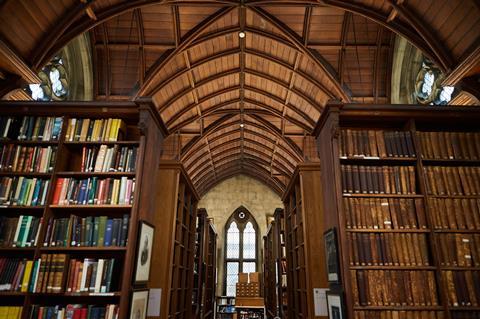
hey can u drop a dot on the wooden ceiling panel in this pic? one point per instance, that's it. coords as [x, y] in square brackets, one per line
[227, 22]
[361, 31]
[151, 56]
[190, 17]
[158, 25]
[325, 25]
[212, 47]
[293, 17]
[359, 71]
[255, 21]
[122, 29]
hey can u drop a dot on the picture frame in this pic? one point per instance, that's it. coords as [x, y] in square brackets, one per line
[335, 305]
[138, 304]
[146, 232]
[331, 255]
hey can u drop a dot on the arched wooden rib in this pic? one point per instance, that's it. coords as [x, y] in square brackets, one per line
[317, 59]
[190, 164]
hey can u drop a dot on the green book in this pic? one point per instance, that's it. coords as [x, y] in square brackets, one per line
[101, 231]
[22, 231]
[96, 225]
[26, 231]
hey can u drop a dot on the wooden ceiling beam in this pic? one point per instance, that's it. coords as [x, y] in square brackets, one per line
[306, 25]
[176, 25]
[125, 46]
[398, 27]
[193, 34]
[141, 42]
[315, 58]
[347, 16]
[376, 63]
[12, 58]
[108, 70]
[59, 27]
[466, 65]
[435, 44]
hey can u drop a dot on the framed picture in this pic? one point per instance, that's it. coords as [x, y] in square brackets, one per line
[139, 302]
[335, 306]
[144, 253]
[331, 255]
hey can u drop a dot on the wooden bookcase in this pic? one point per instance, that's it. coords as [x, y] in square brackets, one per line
[433, 298]
[281, 262]
[138, 117]
[175, 216]
[210, 271]
[199, 263]
[306, 268]
[269, 272]
[203, 295]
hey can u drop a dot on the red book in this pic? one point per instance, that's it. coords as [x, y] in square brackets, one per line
[71, 275]
[77, 314]
[58, 190]
[83, 313]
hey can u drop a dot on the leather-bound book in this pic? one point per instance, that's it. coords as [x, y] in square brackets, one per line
[457, 211]
[380, 140]
[362, 286]
[372, 143]
[349, 178]
[356, 179]
[341, 144]
[381, 180]
[373, 249]
[438, 180]
[452, 249]
[442, 145]
[469, 281]
[354, 250]
[463, 145]
[355, 290]
[476, 180]
[422, 242]
[459, 249]
[449, 145]
[367, 249]
[365, 143]
[457, 182]
[429, 143]
[351, 247]
[369, 176]
[442, 208]
[344, 178]
[394, 208]
[412, 180]
[416, 248]
[384, 210]
[355, 143]
[461, 288]
[387, 249]
[465, 185]
[360, 250]
[423, 145]
[362, 213]
[406, 252]
[369, 222]
[403, 293]
[476, 283]
[420, 212]
[403, 143]
[404, 180]
[348, 213]
[379, 249]
[452, 295]
[410, 148]
[476, 259]
[354, 211]
[434, 213]
[363, 179]
[349, 142]
[397, 145]
[435, 146]
[388, 143]
[471, 146]
[396, 179]
[449, 212]
[468, 214]
[397, 251]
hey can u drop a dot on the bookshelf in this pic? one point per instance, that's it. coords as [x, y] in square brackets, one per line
[208, 309]
[174, 211]
[269, 273]
[203, 293]
[305, 261]
[225, 307]
[417, 238]
[281, 262]
[54, 158]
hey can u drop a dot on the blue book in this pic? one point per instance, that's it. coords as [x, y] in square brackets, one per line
[49, 312]
[36, 193]
[82, 194]
[23, 188]
[108, 233]
[57, 128]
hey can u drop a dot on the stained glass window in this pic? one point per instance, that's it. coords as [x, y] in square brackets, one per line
[54, 86]
[428, 86]
[241, 248]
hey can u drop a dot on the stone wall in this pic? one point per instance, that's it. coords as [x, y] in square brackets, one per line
[222, 200]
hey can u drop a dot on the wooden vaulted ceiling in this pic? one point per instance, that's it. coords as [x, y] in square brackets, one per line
[244, 105]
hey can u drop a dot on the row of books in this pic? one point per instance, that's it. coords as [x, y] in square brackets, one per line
[94, 191]
[95, 130]
[399, 314]
[458, 213]
[15, 274]
[463, 287]
[445, 180]
[22, 231]
[465, 315]
[459, 249]
[31, 128]
[450, 145]
[23, 191]
[383, 213]
[378, 179]
[90, 231]
[399, 249]
[376, 144]
[90, 275]
[74, 311]
[394, 288]
[19, 158]
[108, 159]
[10, 312]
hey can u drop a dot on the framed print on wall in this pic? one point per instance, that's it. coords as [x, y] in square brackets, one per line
[146, 233]
[335, 306]
[139, 302]
[331, 255]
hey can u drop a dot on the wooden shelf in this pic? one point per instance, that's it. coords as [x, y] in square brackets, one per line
[460, 268]
[91, 207]
[450, 162]
[366, 267]
[121, 143]
[22, 207]
[77, 294]
[29, 143]
[455, 196]
[399, 308]
[84, 249]
[26, 174]
[456, 231]
[378, 161]
[406, 230]
[95, 174]
[18, 249]
[382, 195]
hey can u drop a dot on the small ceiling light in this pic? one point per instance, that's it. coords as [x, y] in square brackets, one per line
[241, 34]
[242, 125]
